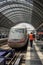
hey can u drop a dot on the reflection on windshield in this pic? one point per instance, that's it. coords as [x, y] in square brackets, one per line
[18, 30]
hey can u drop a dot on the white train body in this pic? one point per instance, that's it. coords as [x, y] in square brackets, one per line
[17, 36]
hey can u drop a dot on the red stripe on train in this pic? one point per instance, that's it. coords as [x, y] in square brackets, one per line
[21, 41]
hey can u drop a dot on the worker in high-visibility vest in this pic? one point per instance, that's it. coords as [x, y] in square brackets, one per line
[31, 38]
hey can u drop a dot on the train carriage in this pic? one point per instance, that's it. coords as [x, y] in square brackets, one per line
[17, 36]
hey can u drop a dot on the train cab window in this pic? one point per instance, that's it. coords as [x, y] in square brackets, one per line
[19, 30]
[16, 34]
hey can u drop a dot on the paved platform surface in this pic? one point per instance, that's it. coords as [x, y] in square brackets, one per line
[34, 56]
[5, 47]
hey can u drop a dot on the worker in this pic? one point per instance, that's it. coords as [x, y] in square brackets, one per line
[31, 39]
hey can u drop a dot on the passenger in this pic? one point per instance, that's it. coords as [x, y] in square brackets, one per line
[31, 39]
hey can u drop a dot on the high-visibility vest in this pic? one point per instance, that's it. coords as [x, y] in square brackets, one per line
[31, 37]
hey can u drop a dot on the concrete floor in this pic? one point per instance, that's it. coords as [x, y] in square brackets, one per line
[34, 56]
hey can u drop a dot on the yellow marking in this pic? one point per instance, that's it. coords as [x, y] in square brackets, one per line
[39, 53]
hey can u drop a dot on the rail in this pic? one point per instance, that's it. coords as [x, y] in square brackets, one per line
[3, 41]
[18, 60]
[12, 57]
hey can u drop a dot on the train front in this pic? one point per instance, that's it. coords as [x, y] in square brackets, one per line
[17, 37]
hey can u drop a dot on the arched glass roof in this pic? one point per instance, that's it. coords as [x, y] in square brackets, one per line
[13, 12]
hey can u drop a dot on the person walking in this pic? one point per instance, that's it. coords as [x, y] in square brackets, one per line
[31, 39]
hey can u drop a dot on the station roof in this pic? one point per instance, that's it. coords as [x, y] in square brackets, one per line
[40, 28]
[13, 12]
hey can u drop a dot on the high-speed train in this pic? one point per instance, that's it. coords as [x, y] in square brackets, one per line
[18, 36]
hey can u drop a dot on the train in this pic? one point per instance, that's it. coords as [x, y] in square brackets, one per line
[39, 36]
[18, 36]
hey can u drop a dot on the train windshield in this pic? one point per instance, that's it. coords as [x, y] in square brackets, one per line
[16, 34]
[19, 30]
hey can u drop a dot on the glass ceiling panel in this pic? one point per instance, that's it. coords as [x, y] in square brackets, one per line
[28, 17]
[20, 18]
[21, 11]
[14, 10]
[10, 14]
[6, 7]
[9, 6]
[13, 5]
[19, 1]
[14, 16]
[13, 13]
[17, 12]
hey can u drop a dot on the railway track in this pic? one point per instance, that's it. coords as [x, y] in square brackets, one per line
[18, 57]
[13, 60]
[22, 57]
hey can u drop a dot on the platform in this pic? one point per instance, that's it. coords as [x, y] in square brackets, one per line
[34, 56]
